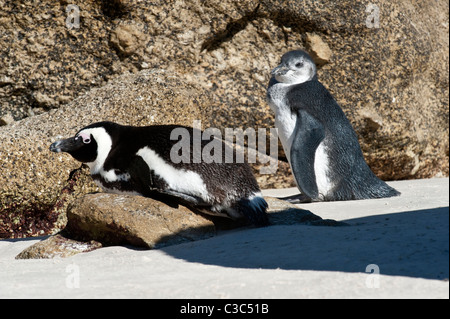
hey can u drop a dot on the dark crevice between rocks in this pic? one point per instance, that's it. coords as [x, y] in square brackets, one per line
[298, 23]
[233, 28]
[114, 8]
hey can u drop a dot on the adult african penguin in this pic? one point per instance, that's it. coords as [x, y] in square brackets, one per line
[137, 160]
[318, 139]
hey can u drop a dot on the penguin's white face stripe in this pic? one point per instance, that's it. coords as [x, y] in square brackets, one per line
[179, 180]
[104, 145]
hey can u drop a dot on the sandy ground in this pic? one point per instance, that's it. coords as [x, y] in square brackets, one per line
[393, 248]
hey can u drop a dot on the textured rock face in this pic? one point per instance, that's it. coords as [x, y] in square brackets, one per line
[391, 81]
[386, 62]
[387, 66]
[135, 220]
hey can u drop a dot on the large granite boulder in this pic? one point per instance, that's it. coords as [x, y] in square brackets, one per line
[115, 219]
[385, 61]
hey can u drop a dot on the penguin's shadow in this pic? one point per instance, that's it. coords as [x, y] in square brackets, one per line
[412, 243]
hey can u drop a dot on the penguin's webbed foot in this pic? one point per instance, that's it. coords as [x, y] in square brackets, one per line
[297, 199]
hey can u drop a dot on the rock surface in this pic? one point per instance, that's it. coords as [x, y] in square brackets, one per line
[387, 66]
[57, 246]
[136, 220]
[97, 220]
[387, 62]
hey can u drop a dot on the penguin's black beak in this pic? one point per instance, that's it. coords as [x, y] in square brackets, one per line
[67, 145]
[280, 70]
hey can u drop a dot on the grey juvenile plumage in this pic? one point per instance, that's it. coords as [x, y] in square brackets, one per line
[319, 141]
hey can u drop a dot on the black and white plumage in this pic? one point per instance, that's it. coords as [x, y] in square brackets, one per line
[319, 141]
[137, 160]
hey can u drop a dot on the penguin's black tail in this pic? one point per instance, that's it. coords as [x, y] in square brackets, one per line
[383, 190]
[254, 209]
[370, 188]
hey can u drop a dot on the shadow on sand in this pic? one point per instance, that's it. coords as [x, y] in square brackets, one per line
[413, 244]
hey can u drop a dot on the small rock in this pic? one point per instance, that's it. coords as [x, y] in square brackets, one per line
[127, 39]
[284, 213]
[6, 119]
[120, 219]
[5, 80]
[57, 246]
[319, 49]
[43, 99]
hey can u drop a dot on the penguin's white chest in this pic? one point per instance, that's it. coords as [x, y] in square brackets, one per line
[285, 122]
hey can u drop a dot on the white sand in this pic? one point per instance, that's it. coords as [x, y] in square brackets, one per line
[407, 238]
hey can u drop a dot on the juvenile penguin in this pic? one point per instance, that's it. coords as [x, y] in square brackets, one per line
[137, 160]
[318, 139]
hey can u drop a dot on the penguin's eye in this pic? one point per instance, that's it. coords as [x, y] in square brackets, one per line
[86, 138]
[299, 64]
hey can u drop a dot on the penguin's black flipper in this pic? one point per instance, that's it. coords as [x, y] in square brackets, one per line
[140, 176]
[308, 134]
